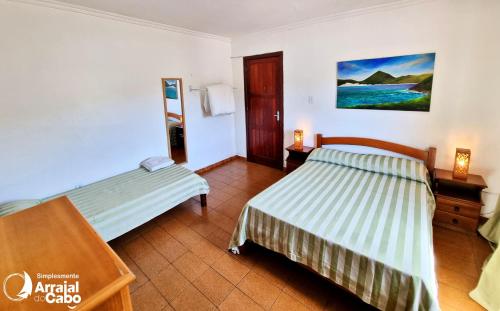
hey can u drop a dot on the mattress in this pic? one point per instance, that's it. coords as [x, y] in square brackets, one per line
[362, 221]
[118, 204]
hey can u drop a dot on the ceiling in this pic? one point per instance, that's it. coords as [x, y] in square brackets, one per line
[229, 18]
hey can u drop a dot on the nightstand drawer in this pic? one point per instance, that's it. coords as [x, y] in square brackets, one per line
[458, 208]
[454, 220]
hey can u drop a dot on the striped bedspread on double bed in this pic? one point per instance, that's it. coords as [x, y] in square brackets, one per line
[362, 221]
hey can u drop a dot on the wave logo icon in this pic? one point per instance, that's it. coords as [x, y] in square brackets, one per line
[25, 290]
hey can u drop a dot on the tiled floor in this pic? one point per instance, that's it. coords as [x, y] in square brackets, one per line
[180, 258]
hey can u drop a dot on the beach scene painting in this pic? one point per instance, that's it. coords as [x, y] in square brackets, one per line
[389, 83]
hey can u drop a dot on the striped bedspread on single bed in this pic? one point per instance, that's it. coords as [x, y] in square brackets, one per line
[118, 204]
[363, 221]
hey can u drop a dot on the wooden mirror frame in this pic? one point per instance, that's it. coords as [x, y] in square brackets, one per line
[174, 115]
[427, 156]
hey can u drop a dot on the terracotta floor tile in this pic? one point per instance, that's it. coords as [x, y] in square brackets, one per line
[207, 252]
[457, 299]
[457, 280]
[167, 308]
[213, 202]
[140, 277]
[190, 266]
[186, 216]
[275, 269]
[231, 269]
[204, 227]
[192, 299]
[341, 300]
[222, 221]
[248, 256]
[164, 243]
[231, 190]
[219, 195]
[466, 254]
[309, 289]
[170, 283]
[146, 257]
[216, 176]
[461, 261]
[217, 184]
[147, 298]
[229, 210]
[214, 286]
[447, 307]
[220, 238]
[200, 211]
[259, 289]
[239, 301]
[286, 302]
[170, 224]
[452, 238]
[243, 184]
[185, 235]
[481, 250]
[239, 199]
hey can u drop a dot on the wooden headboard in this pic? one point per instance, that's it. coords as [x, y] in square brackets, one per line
[428, 156]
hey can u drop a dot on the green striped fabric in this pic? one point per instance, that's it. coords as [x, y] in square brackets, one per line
[365, 228]
[16, 206]
[118, 204]
[400, 167]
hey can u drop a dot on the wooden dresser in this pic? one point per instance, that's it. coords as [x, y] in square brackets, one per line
[458, 200]
[296, 157]
[52, 244]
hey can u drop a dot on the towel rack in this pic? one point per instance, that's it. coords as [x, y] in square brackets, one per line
[192, 89]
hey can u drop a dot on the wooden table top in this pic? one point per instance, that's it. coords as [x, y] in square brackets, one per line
[472, 180]
[305, 149]
[54, 238]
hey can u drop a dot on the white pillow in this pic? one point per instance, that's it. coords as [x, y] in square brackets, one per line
[155, 163]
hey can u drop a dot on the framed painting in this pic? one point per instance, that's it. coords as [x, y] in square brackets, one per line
[389, 83]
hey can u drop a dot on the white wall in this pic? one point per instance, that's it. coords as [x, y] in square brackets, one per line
[465, 107]
[81, 98]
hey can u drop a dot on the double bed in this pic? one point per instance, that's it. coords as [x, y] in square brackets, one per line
[363, 221]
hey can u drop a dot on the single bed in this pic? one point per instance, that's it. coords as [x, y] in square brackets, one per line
[362, 221]
[121, 203]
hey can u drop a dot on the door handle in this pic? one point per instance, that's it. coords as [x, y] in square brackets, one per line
[277, 115]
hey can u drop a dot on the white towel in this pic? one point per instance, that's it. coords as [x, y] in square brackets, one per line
[220, 99]
[155, 163]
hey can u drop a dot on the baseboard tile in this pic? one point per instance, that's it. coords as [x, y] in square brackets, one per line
[217, 164]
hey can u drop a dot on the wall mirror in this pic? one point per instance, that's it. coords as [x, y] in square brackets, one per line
[174, 118]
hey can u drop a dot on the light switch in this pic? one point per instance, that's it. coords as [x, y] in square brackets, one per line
[310, 100]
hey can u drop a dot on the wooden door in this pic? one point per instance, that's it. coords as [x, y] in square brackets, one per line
[264, 108]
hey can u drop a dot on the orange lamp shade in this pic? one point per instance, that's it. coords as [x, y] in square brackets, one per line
[298, 139]
[462, 160]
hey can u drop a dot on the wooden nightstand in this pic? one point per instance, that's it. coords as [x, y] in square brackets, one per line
[296, 157]
[458, 200]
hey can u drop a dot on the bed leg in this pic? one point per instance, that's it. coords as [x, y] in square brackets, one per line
[203, 200]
